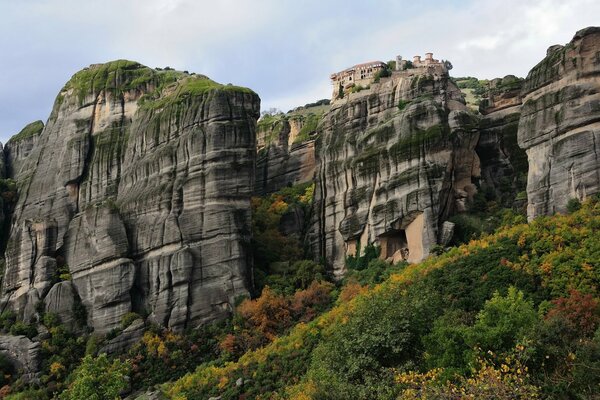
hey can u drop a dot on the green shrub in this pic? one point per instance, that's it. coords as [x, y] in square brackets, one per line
[358, 88]
[384, 73]
[376, 271]
[21, 328]
[446, 345]
[128, 319]
[51, 320]
[503, 322]
[98, 379]
[355, 360]
[7, 319]
[361, 259]
[311, 122]
[63, 273]
[402, 104]
[573, 205]
[91, 346]
[79, 312]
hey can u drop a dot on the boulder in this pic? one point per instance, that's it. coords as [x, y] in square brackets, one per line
[24, 354]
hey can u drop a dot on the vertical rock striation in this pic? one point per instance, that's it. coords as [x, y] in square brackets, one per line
[503, 162]
[19, 147]
[560, 124]
[140, 185]
[393, 162]
[286, 151]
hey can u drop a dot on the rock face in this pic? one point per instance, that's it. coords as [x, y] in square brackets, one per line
[140, 185]
[560, 124]
[286, 151]
[24, 354]
[19, 147]
[393, 162]
[129, 337]
[62, 301]
[503, 163]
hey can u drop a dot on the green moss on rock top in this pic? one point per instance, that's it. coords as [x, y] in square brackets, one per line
[32, 129]
[124, 75]
[184, 88]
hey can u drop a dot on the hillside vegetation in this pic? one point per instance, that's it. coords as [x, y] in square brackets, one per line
[511, 315]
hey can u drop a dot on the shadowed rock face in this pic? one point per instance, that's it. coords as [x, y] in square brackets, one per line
[140, 182]
[503, 163]
[392, 163]
[560, 124]
[24, 354]
[283, 160]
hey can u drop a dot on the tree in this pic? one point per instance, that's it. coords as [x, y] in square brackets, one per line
[98, 379]
[503, 321]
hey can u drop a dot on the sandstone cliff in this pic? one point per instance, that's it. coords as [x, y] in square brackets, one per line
[138, 190]
[19, 147]
[560, 124]
[286, 149]
[503, 163]
[393, 162]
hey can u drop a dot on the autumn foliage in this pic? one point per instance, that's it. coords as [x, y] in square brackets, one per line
[260, 321]
[580, 311]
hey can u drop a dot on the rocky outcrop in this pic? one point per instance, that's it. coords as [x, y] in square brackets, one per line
[393, 162]
[23, 354]
[19, 147]
[560, 124]
[30, 265]
[286, 150]
[126, 339]
[503, 162]
[140, 185]
[97, 255]
[62, 300]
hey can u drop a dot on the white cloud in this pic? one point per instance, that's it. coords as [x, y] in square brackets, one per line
[283, 49]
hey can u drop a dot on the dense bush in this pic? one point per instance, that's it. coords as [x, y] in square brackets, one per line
[21, 328]
[7, 319]
[573, 205]
[503, 322]
[259, 322]
[361, 259]
[377, 271]
[98, 379]
[163, 355]
[287, 277]
[270, 245]
[382, 331]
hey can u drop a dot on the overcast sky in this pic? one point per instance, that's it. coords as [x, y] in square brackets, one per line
[284, 50]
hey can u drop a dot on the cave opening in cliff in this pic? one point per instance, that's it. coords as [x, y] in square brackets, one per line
[393, 244]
